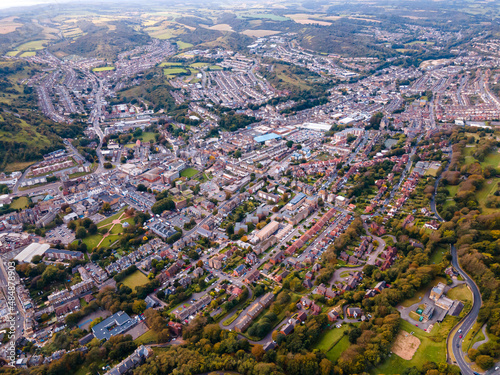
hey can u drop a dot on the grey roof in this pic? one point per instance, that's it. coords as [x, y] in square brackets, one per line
[116, 324]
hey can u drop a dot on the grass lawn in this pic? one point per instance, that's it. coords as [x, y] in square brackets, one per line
[438, 255]
[417, 297]
[335, 353]
[432, 348]
[460, 292]
[173, 71]
[414, 316]
[110, 219]
[20, 203]
[489, 188]
[135, 279]
[103, 69]
[183, 45]
[473, 336]
[330, 337]
[198, 64]
[147, 338]
[170, 64]
[188, 172]
[147, 137]
[215, 67]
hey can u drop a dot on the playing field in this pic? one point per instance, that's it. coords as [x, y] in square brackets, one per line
[188, 172]
[173, 71]
[405, 345]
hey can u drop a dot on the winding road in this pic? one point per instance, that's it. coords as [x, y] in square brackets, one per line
[466, 324]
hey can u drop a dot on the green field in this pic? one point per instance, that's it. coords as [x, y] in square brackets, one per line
[20, 203]
[170, 64]
[148, 338]
[432, 348]
[198, 64]
[330, 337]
[489, 188]
[461, 293]
[34, 45]
[437, 255]
[135, 279]
[110, 219]
[183, 45]
[28, 54]
[335, 353]
[173, 71]
[215, 67]
[103, 69]
[188, 172]
[147, 137]
[12, 53]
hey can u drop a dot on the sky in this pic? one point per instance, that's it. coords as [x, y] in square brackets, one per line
[19, 3]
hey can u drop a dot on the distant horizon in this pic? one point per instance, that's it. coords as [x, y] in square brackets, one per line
[6, 4]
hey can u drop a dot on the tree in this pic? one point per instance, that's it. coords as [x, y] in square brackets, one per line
[92, 229]
[289, 144]
[237, 154]
[258, 352]
[106, 207]
[485, 361]
[141, 187]
[139, 306]
[81, 232]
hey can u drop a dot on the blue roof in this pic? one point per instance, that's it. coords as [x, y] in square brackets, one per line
[266, 137]
[297, 198]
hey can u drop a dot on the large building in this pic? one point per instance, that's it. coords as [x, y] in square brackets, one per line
[116, 324]
[26, 256]
[268, 230]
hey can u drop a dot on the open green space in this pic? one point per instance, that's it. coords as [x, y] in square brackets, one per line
[215, 67]
[198, 64]
[28, 54]
[460, 292]
[432, 348]
[33, 45]
[331, 337]
[148, 137]
[268, 16]
[103, 68]
[183, 45]
[437, 255]
[489, 188]
[188, 172]
[173, 71]
[20, 203]
[335, 353]
[150, 337]
[110, 219]
[12, 53]
[167, 63]
[135, 279]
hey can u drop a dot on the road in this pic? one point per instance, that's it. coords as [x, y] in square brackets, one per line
[471, 317]
[4, 284]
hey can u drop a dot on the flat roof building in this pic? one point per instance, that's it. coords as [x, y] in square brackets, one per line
[116, 324]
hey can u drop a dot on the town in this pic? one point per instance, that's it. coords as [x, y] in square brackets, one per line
[264, 191]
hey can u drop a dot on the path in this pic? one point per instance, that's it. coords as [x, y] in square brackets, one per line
[486, 338]
[113, 223]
